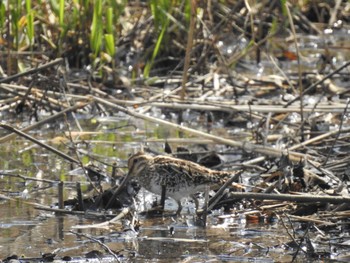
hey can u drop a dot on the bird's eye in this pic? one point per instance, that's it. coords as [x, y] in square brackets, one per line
[135, 161]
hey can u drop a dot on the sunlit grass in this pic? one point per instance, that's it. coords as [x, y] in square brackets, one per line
[96, 28]
[59, 21]
[162, 12]
[95, 25]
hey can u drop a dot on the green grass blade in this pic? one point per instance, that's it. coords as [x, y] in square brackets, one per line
[110, 47]
[284, 10]
[61, 13]
[15, 10]
[30, 27]
[96, 28]
[30, 21]
[28, 6]
[161, 13]
[155, 53]
[109, 20]
[54, 6]
[2, 15]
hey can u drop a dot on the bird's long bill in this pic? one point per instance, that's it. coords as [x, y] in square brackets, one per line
[125, 180]
[123, 184]
[119, 189]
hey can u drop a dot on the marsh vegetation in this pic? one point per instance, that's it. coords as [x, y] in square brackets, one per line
[257, 86]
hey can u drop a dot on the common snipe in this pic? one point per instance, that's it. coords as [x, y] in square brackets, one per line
[181, 178]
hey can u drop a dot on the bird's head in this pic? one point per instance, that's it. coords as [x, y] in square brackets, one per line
[138, 162]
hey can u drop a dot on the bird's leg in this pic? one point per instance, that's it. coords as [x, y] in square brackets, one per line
[179, 207]
[162, 198]
[196, 202]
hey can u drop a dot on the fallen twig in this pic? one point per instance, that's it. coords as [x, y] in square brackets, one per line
[291, 198]
[270, 151]
[311, 87]
[213, 201]
[105, 247]
[44, 145]
[105, 224]
[49, 119]
[31, 71]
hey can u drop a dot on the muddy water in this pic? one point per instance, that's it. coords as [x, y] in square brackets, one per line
[28, 232]
[33, 232]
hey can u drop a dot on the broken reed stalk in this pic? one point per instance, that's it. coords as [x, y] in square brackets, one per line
[225, 106]
[80, 197]
[230, 107]
[44, 145]
[189, 47]
[53, 150]
[106, 224]
[101, 215]
[312, 86]
[213, 201]
[291, 198]
[291, 22]
[60, 195]
[318, 138]
[36, 205]
[31, 71]
[49, 119]
[37, 95]
[331, 149]
[56, 210]
[312, 220]
[247, 146]
[99, 242]
[27, 178]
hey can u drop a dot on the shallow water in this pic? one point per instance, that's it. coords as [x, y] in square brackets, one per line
[158, 238]
[28, 232]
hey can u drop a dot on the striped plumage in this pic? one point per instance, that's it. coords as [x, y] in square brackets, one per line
[182, 178]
